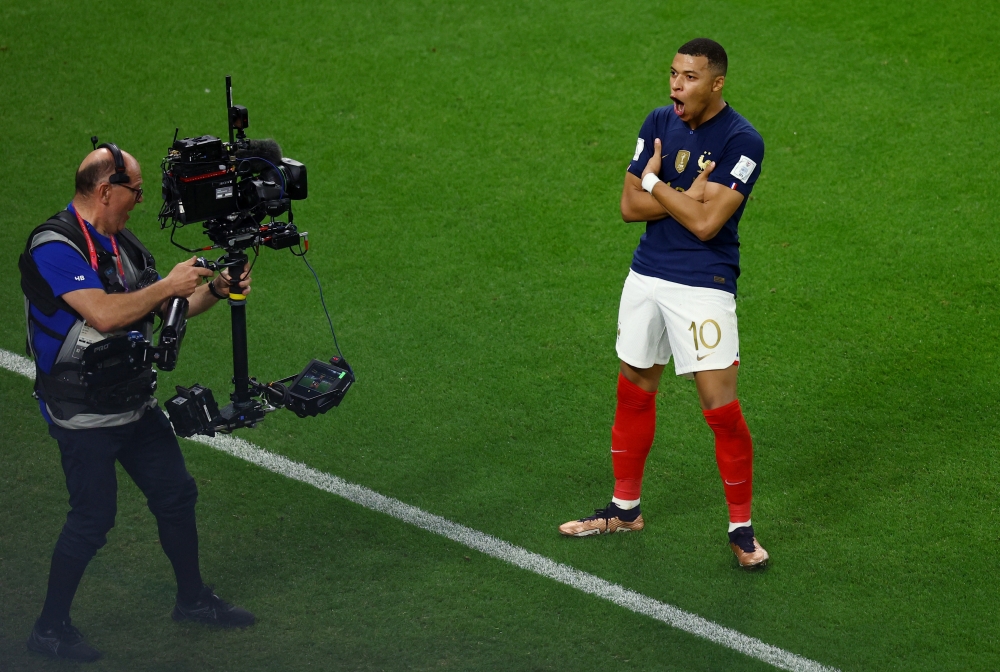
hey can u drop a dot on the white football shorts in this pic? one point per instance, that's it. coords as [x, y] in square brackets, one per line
[658, 318]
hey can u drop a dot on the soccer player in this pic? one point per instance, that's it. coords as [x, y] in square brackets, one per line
[694, 167]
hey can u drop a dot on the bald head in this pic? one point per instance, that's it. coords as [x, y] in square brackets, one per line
[97, 167]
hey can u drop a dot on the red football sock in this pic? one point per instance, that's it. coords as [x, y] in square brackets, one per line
[734, 454]
[631, 437]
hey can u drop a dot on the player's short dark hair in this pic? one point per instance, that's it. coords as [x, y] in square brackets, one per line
[88, 177]
[710, 49]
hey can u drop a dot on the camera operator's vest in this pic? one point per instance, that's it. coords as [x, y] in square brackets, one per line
[64, 389]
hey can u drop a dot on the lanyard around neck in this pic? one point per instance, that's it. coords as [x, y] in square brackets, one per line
[93, 251]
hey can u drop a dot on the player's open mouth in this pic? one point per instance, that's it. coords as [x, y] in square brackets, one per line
[678, 107]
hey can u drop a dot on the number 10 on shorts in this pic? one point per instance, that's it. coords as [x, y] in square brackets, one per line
[698, 333]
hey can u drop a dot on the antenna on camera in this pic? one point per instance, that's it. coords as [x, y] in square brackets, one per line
[229, 105]
[239, 118]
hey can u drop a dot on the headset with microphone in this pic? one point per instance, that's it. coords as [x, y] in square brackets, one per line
[120, 176]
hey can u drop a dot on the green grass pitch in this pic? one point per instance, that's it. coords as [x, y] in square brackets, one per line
[465, 162]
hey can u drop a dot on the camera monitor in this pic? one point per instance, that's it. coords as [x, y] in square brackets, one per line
[318, 388]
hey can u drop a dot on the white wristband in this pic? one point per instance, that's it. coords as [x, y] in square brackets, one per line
[650, 181]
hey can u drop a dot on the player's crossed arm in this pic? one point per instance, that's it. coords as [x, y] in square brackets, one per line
[703, 217]
[637, 205]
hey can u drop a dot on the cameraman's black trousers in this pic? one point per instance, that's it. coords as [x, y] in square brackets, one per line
[147, 449]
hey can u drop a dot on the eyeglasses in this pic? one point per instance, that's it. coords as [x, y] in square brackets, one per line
[137, 192]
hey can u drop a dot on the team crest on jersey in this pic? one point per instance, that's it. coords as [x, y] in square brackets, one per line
[703, 161]
[681, 160]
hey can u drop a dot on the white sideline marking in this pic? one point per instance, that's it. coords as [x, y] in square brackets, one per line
[17, 363]
[497, 548]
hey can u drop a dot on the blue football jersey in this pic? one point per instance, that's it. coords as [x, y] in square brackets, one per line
[669, 251]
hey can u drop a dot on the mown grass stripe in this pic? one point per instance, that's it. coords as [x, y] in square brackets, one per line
[489, 545]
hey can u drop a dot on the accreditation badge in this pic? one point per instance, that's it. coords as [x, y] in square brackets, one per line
[88, 336]
[681, 160]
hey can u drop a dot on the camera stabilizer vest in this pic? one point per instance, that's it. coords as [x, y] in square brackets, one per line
[65, 389]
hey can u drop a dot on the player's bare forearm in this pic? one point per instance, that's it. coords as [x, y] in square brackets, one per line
[703, 219]
[110, 312]
[638, 205]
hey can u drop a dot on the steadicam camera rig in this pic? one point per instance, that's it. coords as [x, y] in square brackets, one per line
[236, 190]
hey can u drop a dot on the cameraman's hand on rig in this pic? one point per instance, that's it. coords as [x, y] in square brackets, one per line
[219, 287]
[185, 278]
[184, 281]
[227, 285]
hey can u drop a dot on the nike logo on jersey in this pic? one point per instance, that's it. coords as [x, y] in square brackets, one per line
[701, 357]
[736, 483]
[618, 451]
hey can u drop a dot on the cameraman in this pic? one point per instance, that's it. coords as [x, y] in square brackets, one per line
[83, 275]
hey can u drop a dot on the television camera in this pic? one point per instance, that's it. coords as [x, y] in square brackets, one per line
[237, 190]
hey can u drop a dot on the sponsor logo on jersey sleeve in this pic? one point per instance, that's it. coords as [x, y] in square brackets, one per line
[640, 144]
[743, 169]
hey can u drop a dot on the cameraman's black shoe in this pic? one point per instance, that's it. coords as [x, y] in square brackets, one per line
[212, 609]
[63, 641]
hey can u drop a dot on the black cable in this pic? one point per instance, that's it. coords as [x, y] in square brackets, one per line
[323, 301]
[176, 244]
